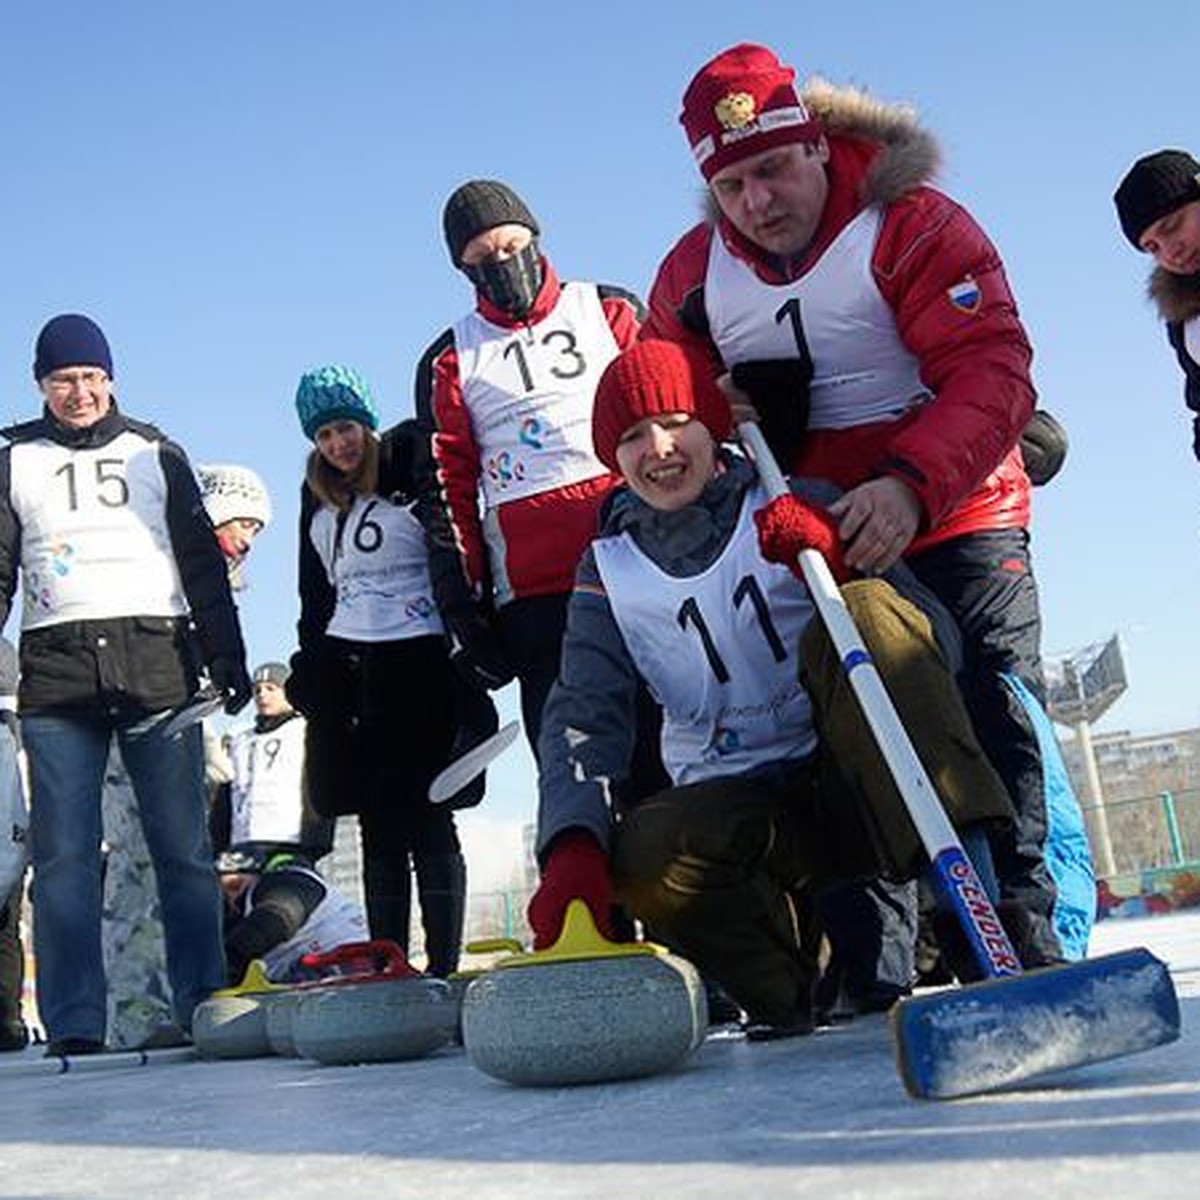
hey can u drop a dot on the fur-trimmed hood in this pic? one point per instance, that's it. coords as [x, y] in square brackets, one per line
[1177, 297]
[909, 155]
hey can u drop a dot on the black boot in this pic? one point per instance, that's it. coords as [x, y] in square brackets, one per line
[442, 888]
[798, 1023]
[13, 1034]
[387, 886]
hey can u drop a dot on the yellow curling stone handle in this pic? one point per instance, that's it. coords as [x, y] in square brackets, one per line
[579, 941]
[253, 982]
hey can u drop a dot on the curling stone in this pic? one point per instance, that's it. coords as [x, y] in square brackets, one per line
[279, 1009]
[231, 1023]
[378, 1021]
[352, 962]
[463, 978]
[586, 1010]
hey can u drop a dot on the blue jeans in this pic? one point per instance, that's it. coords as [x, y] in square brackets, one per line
[67, 757]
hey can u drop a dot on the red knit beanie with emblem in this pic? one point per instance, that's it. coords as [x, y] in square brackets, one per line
[741, 103]
[654, 378]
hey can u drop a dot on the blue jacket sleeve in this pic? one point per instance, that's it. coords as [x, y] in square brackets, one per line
[589, 724]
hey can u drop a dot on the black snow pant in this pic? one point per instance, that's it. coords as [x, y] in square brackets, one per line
[986, 581]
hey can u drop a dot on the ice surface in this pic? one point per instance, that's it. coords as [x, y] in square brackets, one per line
[825, 1116]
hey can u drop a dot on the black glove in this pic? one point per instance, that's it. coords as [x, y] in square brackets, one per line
[476, 648]
[230, 676]
[477, 721]
[1043, 447]
[302, 685]
[778, 389]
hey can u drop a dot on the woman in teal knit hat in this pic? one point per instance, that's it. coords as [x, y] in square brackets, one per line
[372, 673]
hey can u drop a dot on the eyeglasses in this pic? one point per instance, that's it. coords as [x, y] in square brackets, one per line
[62, 383]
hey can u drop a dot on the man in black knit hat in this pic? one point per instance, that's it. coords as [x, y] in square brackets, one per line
[506, 393]
[1158, 205]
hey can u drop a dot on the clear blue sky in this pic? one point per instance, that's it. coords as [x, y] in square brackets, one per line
[239, 191]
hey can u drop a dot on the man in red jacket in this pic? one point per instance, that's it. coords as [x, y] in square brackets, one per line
[507, 394]
[868, 319]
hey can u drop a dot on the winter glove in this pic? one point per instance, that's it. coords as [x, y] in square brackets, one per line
[302, 687]
[577, 869]
[477, 720]
[1043, 447]
[787, 525]
[778, 389]
[476, 649]
[229, 676]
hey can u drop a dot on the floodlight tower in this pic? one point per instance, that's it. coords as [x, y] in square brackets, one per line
[1081, 687]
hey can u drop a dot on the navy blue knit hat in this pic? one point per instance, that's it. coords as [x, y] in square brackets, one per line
[334, 394]
[71, 340]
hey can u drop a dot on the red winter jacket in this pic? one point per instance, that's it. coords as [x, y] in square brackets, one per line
[958, 452]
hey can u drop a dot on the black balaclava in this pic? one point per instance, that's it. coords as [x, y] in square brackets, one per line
[513, 284]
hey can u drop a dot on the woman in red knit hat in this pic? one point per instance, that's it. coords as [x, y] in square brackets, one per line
[676, 593]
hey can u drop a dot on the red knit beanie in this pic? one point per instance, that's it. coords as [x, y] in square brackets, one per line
[742, 103]
[654, 378]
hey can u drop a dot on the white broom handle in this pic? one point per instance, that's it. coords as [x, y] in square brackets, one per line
[932, 825]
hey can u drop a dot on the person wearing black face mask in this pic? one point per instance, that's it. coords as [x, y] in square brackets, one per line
[506, 394]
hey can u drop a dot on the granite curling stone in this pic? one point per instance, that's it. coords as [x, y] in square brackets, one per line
[586, 1010]
[352, 962]
[378, 1021]
[231, 1023]
[463, 978]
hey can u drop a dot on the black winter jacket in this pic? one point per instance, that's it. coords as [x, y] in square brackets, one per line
[132, 665]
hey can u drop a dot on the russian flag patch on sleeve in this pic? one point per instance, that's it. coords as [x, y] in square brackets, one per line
[965, 296]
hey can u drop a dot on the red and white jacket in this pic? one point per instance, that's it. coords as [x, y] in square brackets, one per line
[920, 361]
[518, 487]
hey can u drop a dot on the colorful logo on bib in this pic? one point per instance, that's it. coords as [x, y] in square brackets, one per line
[531, 432]
[38, 593]
[966, 296]
[61, 554]
[726, 741]
[505, 470]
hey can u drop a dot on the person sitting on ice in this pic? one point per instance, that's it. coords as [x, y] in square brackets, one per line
[277, 905]
[776, 779]
[279, 909]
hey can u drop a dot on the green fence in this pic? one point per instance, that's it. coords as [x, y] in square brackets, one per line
[1155, 845]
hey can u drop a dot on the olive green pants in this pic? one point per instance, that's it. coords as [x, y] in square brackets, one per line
[708, 867]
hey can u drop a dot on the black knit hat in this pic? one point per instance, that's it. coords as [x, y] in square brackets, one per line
[480, 205]
[1155, 186]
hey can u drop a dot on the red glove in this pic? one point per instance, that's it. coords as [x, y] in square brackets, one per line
[577, 869]
[787, 525]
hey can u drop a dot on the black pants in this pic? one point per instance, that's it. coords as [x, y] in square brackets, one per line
[12, 966]
[986, 581]
[711, 867]
[380, 730]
